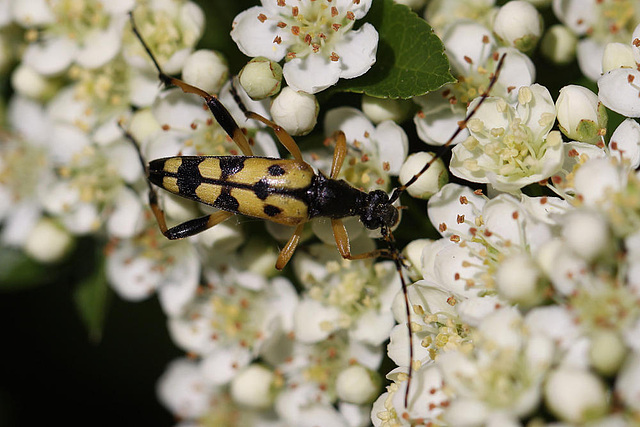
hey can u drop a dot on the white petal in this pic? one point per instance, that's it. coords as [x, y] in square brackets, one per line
[127, 217]
[355, 125]
[100, 47]
[179, 110]
[67, 141]
[590, 54]
[256, 38]
[18, 224]
[32, 13]
[182, 389]
[464, 41]
[625, 142]
[143, 87]
[518, 70]
[447, 205]
[311, 74]
[179, 280]
[50, 56]
[438, 120]
[393, 145]
[314, 321]
[131, 276]
[579, 15]
[372, 328]
[618, 90]
[541, 104]
[221, 366]
[357, 51]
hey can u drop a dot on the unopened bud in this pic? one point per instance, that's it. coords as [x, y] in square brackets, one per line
[518, 280]
[559, 44]
[518, 24]
[430, 182]
[48, 242]
[357, 385]
[261, 78]
[607, 352]
[296, 112]
[581, 116]
[205, 69]
[575, 395]
[252, 387]
[380, 109]
[617, 55]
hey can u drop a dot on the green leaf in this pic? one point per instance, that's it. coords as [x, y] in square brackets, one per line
[91, 297]
[410, 60]
[19, 272]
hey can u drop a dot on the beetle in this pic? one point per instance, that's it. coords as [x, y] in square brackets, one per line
[285, 191]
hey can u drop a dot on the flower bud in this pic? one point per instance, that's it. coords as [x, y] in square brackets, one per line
[413, 4]
[518, 24]
[518, 280]
[380, 109]
[607, 352]
[47, 242]
[586, 233]
[617, 55]
[575, 395]
[261, 78]
[27, 82]
[581, 116]
[430, 182]
[205, 69]
[357, 385]
[559, 44]
[252, 387]
[296, 112]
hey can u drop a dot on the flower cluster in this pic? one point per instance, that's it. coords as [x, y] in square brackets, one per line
[523, 307]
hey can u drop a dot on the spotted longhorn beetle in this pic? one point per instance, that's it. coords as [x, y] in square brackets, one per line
[285, 191]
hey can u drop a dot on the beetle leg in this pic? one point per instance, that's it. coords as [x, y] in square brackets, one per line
[338, 154]
[282, 135]
[342, 242]
[287, 252]
[218, 110]
[187, 228]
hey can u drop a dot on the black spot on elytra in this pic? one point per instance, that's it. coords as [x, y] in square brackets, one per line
[271, 210]
[189, 178]
[231, 165]
[276, 170]
[227, 202]
[261, 189]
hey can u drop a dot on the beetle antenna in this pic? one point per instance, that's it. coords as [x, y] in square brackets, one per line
[399, 262]
[461, 125]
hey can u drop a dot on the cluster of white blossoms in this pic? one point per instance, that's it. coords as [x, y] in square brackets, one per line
[526, 309]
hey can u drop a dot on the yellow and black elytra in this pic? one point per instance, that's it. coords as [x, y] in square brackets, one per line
[285, 191]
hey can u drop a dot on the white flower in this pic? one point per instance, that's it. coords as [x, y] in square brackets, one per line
[601, 22]
[472, 51]
[373, 152]
[315, 38]
[136, 268]
[511, 147]
[183, 390]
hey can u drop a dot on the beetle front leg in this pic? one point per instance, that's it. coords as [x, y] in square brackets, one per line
[342, 242]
